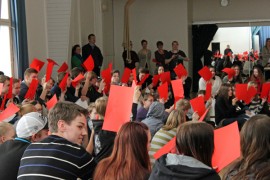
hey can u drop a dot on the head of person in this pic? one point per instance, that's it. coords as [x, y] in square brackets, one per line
[213, 70]
[91, 38]
[144, 44]
[6, 83]
[160, 69]
[37, 106]
[92, 111]
[183, 104]
[148, 99]
[115, 77]
[33, 127]
[142, 73]
[257, 72]
[16, 87]
[75, 72]
[129, 157]
[101, 104]
[68, 120]
[228, 46]
[94, 78]
[252, 84]
[175, 118]
[236, 69]
[76, 49]
[160, 45]
[196, 139]
[201, 93]
[267, 43]
[225, 91]
[175, 45]
[29, 75]
[7, 132]
[27, 108]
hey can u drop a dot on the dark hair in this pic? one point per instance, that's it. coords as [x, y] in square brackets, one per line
[66, 111]
[144, 70]
[29, 71]
[196, 139]
[255, 150]
[2, 73]
[223, 91]
[115, 71]
[143, 41]
[90, 35]
[73, 52]
[260, 77]
[201, 92]
[267, 39]
[4, 78]
[159, 43]
[129, 159]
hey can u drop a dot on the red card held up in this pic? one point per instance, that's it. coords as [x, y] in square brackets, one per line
[49, 69]
[126, 75]
[143, 79]
[166, 148]
[204, 114]
[178, 90]
[63, 83]
[208, 91]
[32, 90]
[9, 111]
[63, 67]
[76, 80]
[106, 75]
[9, 94]
[37, 64]
[240, 91]
[227, 146]
[118, 113]
[251, 92]
[230, 72]
[165, 77]
[155, 80]
[198, 105]
[265, 90]
[163, 91]
[134, 75]
[51, 102]
[205, 73]
[180, 70]
[88, 64]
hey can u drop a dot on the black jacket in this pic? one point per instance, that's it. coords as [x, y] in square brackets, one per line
[177, 167]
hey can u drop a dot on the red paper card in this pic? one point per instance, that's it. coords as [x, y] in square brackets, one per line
[251, 92]
[126, 75]
[37, 64]
[178, 90]
[265, 90]
[180, 70]
[51, 102]
[63, 67]
[134, 75]
[88, 64]
[163, 91]
[155, 80]
[63, 83]
[208, 91]
[76, 80]
[230, 72]
[227, 146]
[204, 114]
[166, 148]
[49, 69]
[9, 94]
[205, 73]
[9, 111]
[143, 79]
[118, 113]
[165, 77]
[106, 75]
[32, 90]
[240, 91]
[198, 105]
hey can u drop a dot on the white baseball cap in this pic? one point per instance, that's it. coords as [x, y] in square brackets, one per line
[30, 124]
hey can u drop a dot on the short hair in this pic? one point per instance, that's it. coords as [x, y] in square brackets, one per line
[159, 43]
[90, 35]
[183, 104]
[4, 128]
[75, 72]
[143, 70]
[2, 73]
[66, 111]
[203, 92]
[14, 81]
[175, 42]
[115, 71]
[143, 41]
[196, 139]
[101, 104]
[4, 78]
[29, 71]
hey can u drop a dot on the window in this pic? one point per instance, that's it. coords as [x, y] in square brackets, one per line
[5, 36]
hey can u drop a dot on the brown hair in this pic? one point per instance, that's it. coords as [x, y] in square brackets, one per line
[101, 104]
[66, 111]
[183, 104]
[260, 75]
[196, 139]
[4, 78]
[26, 108]
[60, 76]
[255, 150]
[175, 118]
[223, 91]
[29, 71]
[129, 159]
[14, 81]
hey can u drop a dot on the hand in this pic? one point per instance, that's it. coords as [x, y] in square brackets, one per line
[25, 101]
[161, 101]
[136, 95]
[263, 100]
[170, 109]
[195, 116]
[234, 101]
[78, 86]
[88, 75]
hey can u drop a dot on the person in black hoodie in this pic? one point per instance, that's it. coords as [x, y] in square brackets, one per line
[195, 146]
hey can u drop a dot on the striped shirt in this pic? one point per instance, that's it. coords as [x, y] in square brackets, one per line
[56, 158]
[160, 139]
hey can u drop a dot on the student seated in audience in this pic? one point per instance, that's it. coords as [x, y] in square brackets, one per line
[195, 147]
[129, 159]
[115, 80]
[237, 79]
[167, 132]
[7, 132]
[16, 87]
[184, 105]
[257, 76]
[60, 155]
[29, 75]
[31, 128]
[257, 103]
[147, 100]
[6, 83]
[146, 87]
[254, 162]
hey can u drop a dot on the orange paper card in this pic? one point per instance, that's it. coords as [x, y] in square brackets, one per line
[76, 80]
[163, 91]
[88, 64]
[198, 105]
[63, 67]
[227, 146]
[118, 113]
[9, 111]
[32, 90]
[37, 64]
[205, 73]
[51, 102]
[178, 90]
[166, 148]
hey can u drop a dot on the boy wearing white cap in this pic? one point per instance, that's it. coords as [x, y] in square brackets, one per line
[32, 127]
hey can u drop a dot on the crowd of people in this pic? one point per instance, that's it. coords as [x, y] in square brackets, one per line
[68, 141]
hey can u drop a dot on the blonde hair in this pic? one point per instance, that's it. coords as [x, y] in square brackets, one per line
[175, 118]
[101, 104]
[183, 104]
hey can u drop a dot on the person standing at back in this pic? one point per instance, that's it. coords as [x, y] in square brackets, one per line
[92, 49]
